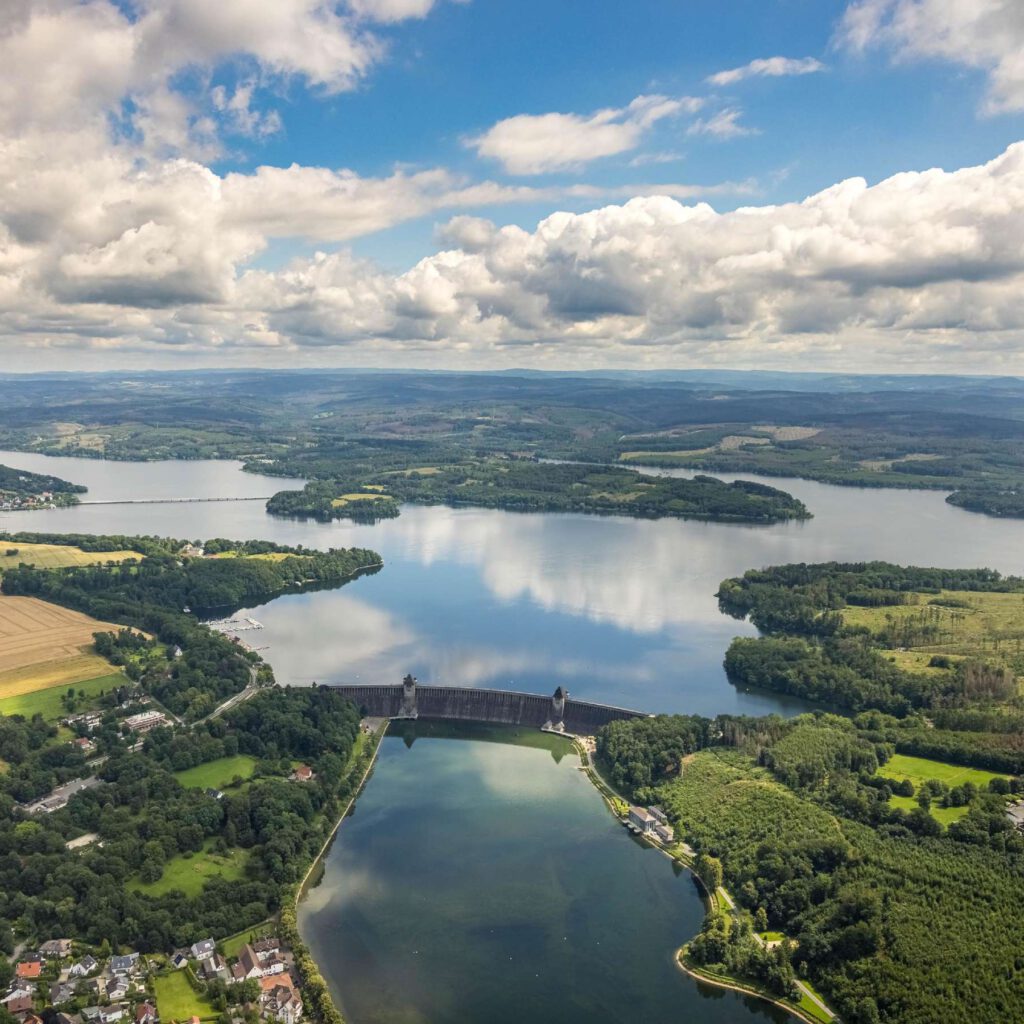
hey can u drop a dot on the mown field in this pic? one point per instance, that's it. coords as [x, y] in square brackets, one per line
[176, 999]
[376, 493]
[44, 651]
[265, 556]
[218, 774]
[190, 874]
[921, 769]
[56, 556]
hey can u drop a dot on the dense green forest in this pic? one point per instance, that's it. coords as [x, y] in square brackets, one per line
[896, 920]
[146, 818]
[162, 594]
[527, 486]
[992, 500]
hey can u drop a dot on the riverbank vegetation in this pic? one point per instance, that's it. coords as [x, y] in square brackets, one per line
[893, 917]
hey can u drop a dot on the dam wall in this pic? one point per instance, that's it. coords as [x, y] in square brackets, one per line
[471, 704]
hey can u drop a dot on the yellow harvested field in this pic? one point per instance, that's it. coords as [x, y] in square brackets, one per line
[56, 556]
[346, 499]
[266, 556]
[43, 645]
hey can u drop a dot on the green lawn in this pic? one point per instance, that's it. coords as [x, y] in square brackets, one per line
[233, 944]
[190, 874]
[47, 702]
[217, 774]
[810, 1007]
[176, 1000]
[920, 769]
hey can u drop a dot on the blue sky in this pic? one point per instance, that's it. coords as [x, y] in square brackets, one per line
[468, 65]
[493, 182]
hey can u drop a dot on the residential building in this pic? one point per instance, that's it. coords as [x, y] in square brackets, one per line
[659, 814]
[214, 966]
[265, 948]
[19, 1004]
[85, 966]
[62, 992]
[280, 999]
[302, 773]
[29, 969]
[203, 949]
[665, 833]
[250, 966]
[124, 964]
[55, 948]
[145, 1013]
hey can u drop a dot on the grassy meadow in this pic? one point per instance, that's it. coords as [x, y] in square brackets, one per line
[177, 1000]
[217, 774]
[190, 874]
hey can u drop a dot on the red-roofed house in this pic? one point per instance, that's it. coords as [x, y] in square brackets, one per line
[29, 969]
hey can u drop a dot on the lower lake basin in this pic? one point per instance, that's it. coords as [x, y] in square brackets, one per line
[483, 879]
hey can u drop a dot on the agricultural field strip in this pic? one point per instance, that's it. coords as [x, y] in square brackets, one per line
[55, 556]
[36, 634]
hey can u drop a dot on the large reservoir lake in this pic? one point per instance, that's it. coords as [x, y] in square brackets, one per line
[480, 881]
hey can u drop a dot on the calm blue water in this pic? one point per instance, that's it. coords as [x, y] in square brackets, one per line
[480, 882]
[510, 895]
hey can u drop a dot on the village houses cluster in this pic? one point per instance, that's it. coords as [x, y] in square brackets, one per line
[86, 988]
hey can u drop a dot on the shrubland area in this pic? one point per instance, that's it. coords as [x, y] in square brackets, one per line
[356, 434]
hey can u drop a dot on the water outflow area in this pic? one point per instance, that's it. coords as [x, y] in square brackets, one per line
[482, 880]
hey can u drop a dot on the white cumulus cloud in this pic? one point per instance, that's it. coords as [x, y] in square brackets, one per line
[539, 143]
[983, 34]
[767, 67]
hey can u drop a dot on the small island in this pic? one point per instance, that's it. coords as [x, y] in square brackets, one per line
[526, 485]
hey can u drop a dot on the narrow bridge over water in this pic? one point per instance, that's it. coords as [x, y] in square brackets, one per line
[470, 704]
[163, 501]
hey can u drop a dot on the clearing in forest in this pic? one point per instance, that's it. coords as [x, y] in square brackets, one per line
[219, 773]
[188, 873]
[921, 769]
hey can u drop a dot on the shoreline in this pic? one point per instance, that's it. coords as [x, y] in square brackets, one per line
[712, 900]
[738, 986]
[379, 738]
